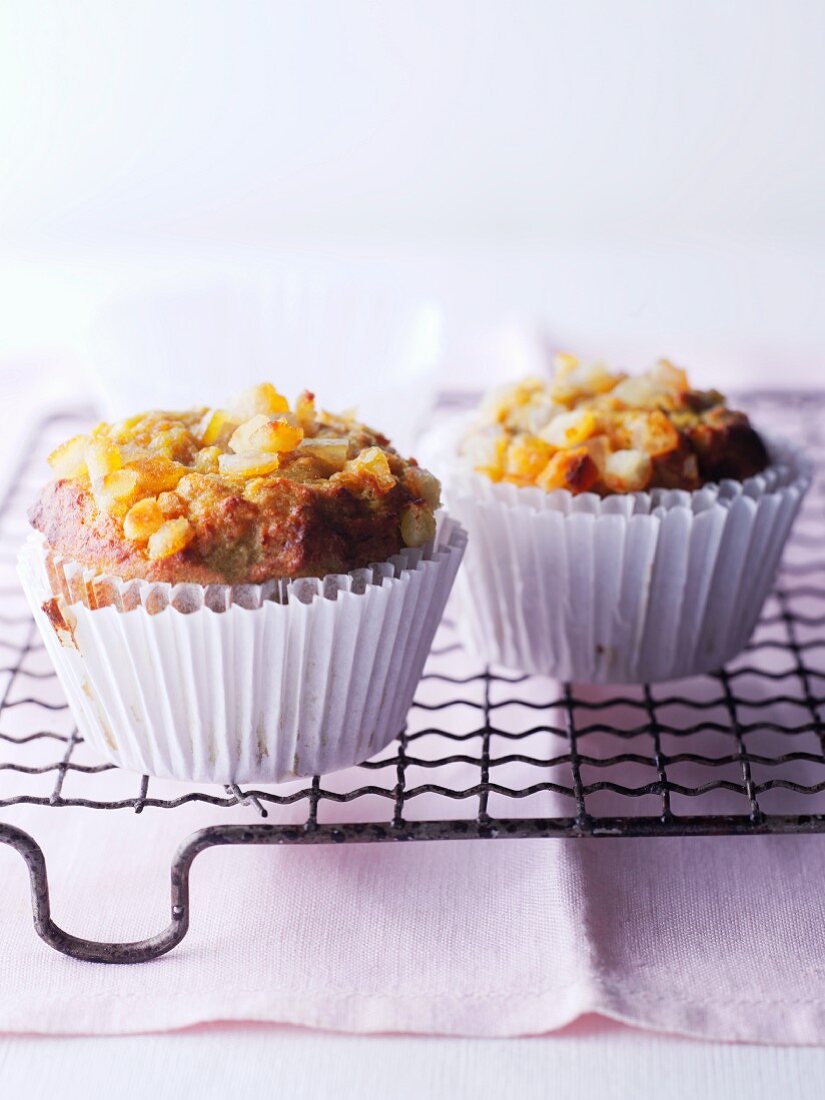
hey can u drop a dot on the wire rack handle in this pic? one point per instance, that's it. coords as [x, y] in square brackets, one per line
[138, 950]
[213, 836]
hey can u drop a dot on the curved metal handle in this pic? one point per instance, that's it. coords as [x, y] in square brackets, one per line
[92, 950]
[154, 946]
[210, 837]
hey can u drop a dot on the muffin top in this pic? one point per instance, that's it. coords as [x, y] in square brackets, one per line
[592, 430]
[239, 495]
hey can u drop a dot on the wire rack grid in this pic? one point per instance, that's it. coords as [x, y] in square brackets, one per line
[486, 753]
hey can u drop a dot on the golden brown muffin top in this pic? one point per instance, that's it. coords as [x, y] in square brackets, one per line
[240, 494]
[592, 430]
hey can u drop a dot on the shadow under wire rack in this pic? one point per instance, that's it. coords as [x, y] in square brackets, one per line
[486, 753]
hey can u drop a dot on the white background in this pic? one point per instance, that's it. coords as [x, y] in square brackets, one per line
[536, 121]
[638, 177]
[626, 178]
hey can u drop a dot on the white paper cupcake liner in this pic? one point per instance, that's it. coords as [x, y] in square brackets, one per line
[624, 589]
[247, 683]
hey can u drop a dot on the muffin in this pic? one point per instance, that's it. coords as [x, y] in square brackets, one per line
[238, 594]
[622, 528]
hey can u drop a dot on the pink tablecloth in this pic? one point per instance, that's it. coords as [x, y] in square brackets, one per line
[721, 938]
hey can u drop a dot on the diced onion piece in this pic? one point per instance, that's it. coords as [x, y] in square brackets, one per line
[173, 443]
[637, 392]
[572, 470]
[332, 452]
[241, 437]
[564, 363]
[277, 436]
[102, 458]
[248, 464]
[157, 474]
[69, 459]
[424, 485]
[114, 492]
[627, 471]
[305, 407]
[581, 380]
[372, 463]
[261, 433]
[171, 537]
[417, 525]
[595, 378]
[487, 455]
[121, 484]
[667, 377]
[142, 520]
[570, 429]
[206, 460]
[526, 457]
[535, 415]
[123, 429]
[598, 447]
[215, 425]
[258, 399]
[654, 434]
[501, 403]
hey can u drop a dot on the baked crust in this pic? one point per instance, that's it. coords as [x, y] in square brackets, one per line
[590, 430]
[329, 509]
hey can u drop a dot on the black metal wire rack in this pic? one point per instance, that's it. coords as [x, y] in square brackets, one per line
[486, 753]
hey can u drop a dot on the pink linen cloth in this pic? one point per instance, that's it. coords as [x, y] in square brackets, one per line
[711, 937]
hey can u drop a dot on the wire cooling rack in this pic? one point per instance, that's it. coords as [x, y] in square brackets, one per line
[486, 752]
